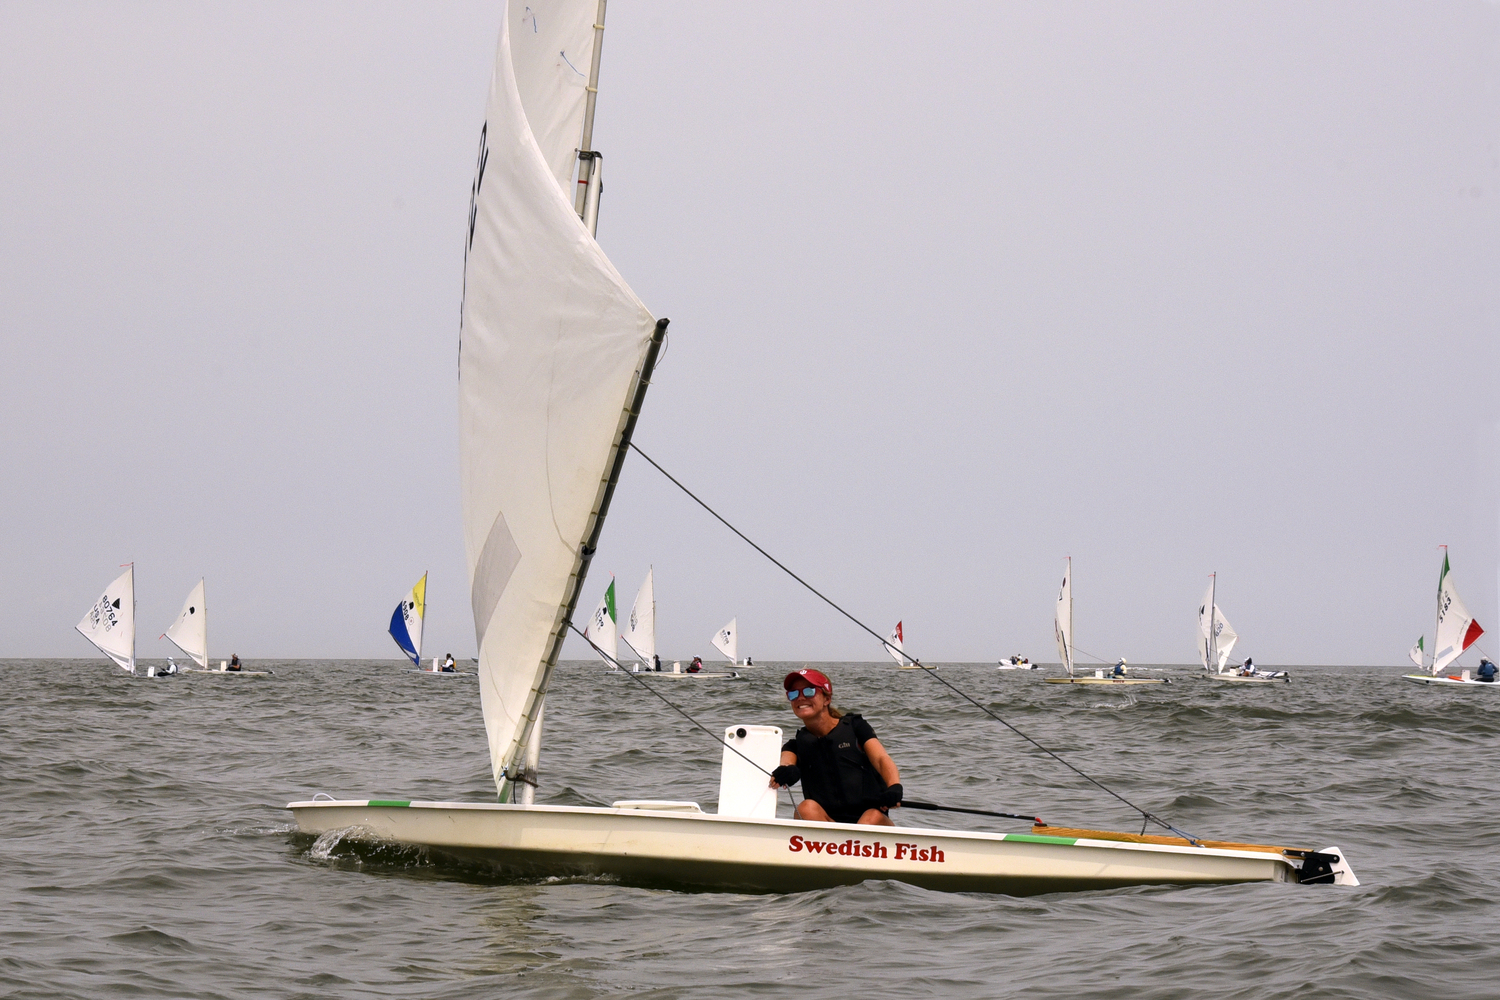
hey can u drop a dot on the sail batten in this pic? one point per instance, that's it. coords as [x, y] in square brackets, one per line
[555, 354]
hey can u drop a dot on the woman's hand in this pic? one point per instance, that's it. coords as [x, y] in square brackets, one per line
[786, 776]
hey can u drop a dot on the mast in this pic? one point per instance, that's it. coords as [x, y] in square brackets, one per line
[1439, 622]
[589, 161]
[1213, 620]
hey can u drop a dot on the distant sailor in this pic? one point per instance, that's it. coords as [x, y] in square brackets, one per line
[1487, 671]
[1247, 669]
[449, 664]
[234, 662]
[656, 663]
[846, 775]
[696, 665]
[1120, 668]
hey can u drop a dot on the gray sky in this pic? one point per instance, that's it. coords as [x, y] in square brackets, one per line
[956, 291]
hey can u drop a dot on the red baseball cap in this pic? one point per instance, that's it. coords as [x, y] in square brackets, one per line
[810, 677]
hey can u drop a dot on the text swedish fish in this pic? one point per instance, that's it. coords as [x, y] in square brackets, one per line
[857, 849]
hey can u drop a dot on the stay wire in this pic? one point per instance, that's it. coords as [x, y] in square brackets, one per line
[1146, 815]
[665, 701]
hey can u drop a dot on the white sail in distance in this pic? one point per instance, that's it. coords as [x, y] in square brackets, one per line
[603, 629]
[553, 344]
[1205, 628]
[189, 632]
[1416, 652]
[895, 644]
[727, 640]
[1456, 628]
[1062, 623]
[1226, 638]
[640, 627]
[110, 623]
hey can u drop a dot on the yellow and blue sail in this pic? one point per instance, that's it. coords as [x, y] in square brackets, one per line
[406, 622]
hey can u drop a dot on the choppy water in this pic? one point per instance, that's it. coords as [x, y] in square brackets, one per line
[146, 852]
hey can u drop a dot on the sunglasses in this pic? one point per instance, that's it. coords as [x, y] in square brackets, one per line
[796, 693]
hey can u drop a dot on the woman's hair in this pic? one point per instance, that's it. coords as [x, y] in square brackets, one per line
[834, 712]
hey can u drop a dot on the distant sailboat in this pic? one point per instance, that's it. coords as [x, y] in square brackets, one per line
[1218, 638]
[895, 644]
[189, 632]
[1456, 631]
[640, 630]
[110, 623]
[1062, 629]
[407, 619]
[603, 627]
[727, 641]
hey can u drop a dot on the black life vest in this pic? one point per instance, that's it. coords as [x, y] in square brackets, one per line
[835, 771]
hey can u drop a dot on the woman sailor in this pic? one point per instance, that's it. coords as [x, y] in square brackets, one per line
[846, 775]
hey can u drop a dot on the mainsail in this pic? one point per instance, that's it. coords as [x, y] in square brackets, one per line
[407, 619]
[1062, 624]
[1416, 651]
[602, 628]
[895, 644]
[1456, 628]
[554, 353]
[727, 640]
[640, 630]
[1216, 635]
[189, 632]
[110, 623]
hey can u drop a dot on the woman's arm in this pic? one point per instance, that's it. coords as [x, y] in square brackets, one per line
[882, 761]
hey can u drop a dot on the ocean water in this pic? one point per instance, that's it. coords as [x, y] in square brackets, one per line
[146, 851]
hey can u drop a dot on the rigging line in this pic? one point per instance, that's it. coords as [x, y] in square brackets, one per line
[1146, 814]
[713, 735]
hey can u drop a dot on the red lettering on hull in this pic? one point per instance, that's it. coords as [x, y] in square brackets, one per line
[858, 849]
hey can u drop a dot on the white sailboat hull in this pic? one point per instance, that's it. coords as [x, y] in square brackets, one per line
[687, 848]
[1450, 681]
[1237, 679]
[228, 673]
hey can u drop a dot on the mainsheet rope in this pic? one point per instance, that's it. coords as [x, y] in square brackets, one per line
[1147, 817]
[667, 702]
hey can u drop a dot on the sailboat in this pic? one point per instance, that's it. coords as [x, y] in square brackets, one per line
[603, 627]
[1456, 632]
[1062, 628]
[110, 623]
[727, 641]
[895, 645]
[557, 355]
[189, 632]
[1217, 639]
[640, 627]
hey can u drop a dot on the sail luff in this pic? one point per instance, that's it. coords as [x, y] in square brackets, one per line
[1062, 621]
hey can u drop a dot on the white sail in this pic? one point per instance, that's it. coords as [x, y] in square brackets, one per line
[895, 644]
[552, 48]
[1416, 652]
[1205, 629]
[189, 632]
[110, 623]
[1062, 624]
[727, 640]
[640, 628]
[552, 347]
[1226, 638]
[603, 628]
[1456, 628]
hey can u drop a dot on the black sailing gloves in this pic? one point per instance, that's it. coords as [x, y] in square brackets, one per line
[787, 775]
[889, 798]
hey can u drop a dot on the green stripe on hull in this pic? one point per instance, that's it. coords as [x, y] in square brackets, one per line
[389, 803]
[1032, 838]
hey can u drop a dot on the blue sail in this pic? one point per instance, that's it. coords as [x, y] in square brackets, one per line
[399, 633]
